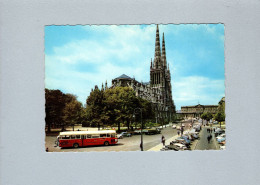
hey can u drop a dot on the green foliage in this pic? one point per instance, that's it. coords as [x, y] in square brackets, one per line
[61, 109]
[116, 105]
[207, 116]
[220, 116]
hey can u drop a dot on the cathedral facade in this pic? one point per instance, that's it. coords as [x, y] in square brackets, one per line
[158, 90]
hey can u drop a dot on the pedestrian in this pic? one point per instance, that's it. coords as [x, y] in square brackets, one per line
[178, 133]
[141, 146]
[208, 139]
[47, 149]
[163, 140]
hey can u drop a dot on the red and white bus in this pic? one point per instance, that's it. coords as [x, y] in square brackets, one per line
[87, 138]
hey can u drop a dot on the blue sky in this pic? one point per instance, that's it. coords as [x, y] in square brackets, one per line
[79, 57]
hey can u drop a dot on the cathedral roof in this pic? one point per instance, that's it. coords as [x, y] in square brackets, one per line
[146, 83]
[123, 76]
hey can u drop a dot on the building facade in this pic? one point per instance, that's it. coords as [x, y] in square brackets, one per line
[158, 90]
[197, 110]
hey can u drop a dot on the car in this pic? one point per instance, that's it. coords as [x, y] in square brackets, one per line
[219, 131]
[220, 140]
[152, 131]
[174, 126]
[126, 134]
[120, 136]
[220, 136]
[195, 136]
[177, 147]
[178, 127]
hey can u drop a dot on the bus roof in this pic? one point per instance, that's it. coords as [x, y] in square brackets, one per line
[86, 132]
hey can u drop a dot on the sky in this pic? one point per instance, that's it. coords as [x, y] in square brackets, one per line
[79, 57]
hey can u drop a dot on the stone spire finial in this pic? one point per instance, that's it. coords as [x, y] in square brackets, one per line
[151, 63]
[164, 53]
[157, 54]
[102, 88]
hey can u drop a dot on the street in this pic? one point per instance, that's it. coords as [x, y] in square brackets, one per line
[150, 142]
[203, 144]
[126, 144]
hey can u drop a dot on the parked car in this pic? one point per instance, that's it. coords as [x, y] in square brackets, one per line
[126, 134]
[177, 147]
[174, 126]
[120, 136]
[219, 131]
[195, 136]
[220, 136]
[152, 131]
[221, 139]
[137, 131]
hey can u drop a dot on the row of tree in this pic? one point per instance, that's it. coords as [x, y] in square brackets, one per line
[108, 107]
[219, 116]
[62, 109]
[116, 106]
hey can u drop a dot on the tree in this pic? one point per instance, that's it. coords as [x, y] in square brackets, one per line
[220, 116]
[95, 108]
[54, 105]
[207, 116]
[72, 110]
[119, 104]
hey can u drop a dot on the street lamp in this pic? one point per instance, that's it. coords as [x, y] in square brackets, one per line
[142, 149]
[166, 108]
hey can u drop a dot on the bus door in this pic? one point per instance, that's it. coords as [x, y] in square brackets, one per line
[83, 140]
[103, 139]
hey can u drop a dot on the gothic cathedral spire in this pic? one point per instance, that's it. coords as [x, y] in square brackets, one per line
[164, 62]
[157, 54]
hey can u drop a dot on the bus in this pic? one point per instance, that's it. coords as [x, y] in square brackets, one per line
[86, 138]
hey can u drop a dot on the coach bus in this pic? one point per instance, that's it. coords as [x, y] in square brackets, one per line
[86, 138]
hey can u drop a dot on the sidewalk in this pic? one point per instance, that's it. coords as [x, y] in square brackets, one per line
[160, 146]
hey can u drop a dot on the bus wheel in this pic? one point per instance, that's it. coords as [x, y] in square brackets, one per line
[75, 145]
[106, 143]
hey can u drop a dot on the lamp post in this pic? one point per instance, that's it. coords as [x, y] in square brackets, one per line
[141, 145]
[166, 108]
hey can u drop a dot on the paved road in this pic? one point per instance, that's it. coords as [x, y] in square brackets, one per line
[203, 144]
[126, 144]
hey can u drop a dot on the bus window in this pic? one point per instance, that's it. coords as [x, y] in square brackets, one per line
[83, 136]
[73, 137]
[65, 137]
[103, 135]
[95, 136]
[112, 135]
[108, 135]
[88, 136]
[78, 136]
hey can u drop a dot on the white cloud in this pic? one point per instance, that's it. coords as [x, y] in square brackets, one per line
[193, 89]
[125, 50]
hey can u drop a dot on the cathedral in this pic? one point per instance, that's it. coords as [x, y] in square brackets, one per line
[158, 90]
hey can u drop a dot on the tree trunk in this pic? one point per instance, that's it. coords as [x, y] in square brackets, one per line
[128, 124]
[49, 126]
[118, 126]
